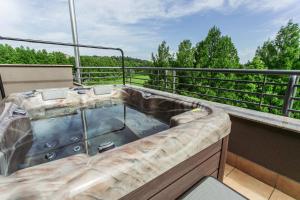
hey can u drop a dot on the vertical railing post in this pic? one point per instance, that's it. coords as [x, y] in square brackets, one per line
[130, 72]
[263, 89]
[79, 78]
[123, 66]
[166, 79]
[2, 91]
[290, 93]
[75, 39]
[174, 81]
[158, 79]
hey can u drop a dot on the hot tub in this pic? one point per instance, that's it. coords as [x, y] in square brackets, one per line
[107, 142]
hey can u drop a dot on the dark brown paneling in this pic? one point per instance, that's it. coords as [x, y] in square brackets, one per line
[184, 183]
[167, 178]
[214, 174]
[274, 148]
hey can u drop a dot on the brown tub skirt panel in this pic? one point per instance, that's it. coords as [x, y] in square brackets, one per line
[186, 174]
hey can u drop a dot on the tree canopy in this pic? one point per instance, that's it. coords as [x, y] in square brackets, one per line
[25, 55]
[185, 55]
[216, 51]
[163, 56]
[284, 51]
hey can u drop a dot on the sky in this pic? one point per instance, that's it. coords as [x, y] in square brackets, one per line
[138, 26]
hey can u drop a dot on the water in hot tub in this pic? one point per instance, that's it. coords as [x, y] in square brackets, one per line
[89, 131]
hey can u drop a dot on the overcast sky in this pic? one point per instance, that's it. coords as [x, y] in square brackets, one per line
[138, 26]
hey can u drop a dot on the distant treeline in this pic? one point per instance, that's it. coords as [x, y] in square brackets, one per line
[25, 55]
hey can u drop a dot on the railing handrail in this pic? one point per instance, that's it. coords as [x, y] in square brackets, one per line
[291, 82]
[221, 70]
[69, 44]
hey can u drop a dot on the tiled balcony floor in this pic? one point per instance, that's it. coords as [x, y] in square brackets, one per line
[251, 187]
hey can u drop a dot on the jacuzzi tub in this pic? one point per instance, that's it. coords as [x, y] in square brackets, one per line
[53, 143]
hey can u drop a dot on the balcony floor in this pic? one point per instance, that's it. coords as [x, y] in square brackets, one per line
[251, 187]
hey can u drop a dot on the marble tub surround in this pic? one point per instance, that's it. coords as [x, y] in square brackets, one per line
[115, 173]
[37, 107]
[15, 138]
[164, 108]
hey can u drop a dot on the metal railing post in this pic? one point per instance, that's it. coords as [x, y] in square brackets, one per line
[263, 88]
[130, 73]
[290, 93]
[123, 66]
[174, 81]
[75, 39]
[166, 79]
[2, 88]
[158, 78]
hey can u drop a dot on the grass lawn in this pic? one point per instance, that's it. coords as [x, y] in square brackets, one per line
[136, 79]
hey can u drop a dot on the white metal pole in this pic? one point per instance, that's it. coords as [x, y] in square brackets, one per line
[75, 39]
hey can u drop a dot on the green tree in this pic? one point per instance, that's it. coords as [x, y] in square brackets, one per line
[185, 58]
[216, 51]
[162, 58]
[284, 51]
[256, 63]
[185, 54]
[281, 53]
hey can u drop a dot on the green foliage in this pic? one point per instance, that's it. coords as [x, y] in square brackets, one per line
[284, 51]
[216, 51]
[185, 58]
[163, 58]
[256, 63]
[22, 55]
[185, 55]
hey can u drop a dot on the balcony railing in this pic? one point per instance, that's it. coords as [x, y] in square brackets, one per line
[273, 91]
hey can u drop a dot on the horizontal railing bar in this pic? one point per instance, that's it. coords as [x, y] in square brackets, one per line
[105, 67]
[220, 70]
[147, 85]
[93, 82]
[294, 111]
[59, 43]
[295, 98]
[147, 79]
[234, 100]
[232, 90]
[101, 77]
[177, 76]
[242, 71]
[233, 80]
[216, 97]
[150, 74]
[98, 72]
[143, 79]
